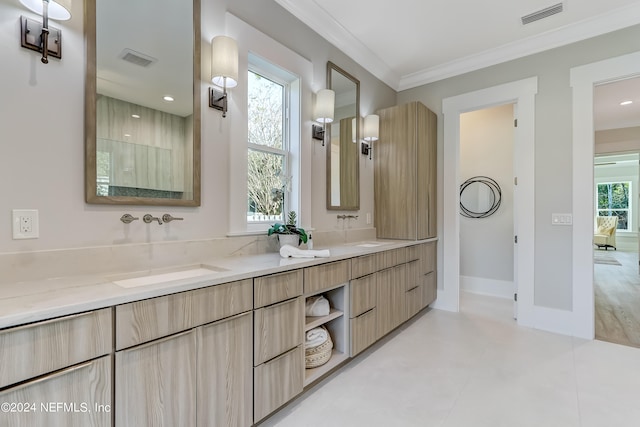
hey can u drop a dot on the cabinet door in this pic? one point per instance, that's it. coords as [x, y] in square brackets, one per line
[426, 141]
[278, 328]
[391, 299]
[430, 289]
[364, 293]
[79, 396]
[363, 331]
[225, 373]
[155, 383]
[277, 382]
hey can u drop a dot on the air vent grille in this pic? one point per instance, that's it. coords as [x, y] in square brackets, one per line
[137, 58]
[541, 14]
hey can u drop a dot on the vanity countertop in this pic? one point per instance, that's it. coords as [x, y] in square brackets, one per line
[31, 301]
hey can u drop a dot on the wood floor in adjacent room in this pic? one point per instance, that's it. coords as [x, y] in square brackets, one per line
[617, 297]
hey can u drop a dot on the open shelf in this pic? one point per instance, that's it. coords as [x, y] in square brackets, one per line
[313, 374]
[315, 321]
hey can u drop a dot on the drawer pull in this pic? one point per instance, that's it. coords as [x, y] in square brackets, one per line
[52, 375]
[158, 341]
[47, 322]
[275, 359]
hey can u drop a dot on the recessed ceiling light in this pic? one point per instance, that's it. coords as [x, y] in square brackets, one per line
[135, 116]
[626, 102]
[168, 98]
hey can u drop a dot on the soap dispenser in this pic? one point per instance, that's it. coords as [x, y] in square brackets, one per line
[310, 242]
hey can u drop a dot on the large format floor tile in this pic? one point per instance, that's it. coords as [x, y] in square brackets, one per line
[472, 369]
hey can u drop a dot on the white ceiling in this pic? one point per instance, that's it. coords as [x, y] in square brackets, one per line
[607, 111]
[408, 43]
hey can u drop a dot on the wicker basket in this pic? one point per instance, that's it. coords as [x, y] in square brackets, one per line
[319, 355]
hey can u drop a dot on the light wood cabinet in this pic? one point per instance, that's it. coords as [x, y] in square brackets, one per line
[149, 319]
[225, 373]
[363, 331]
[326, 276]
[364, 294]
[277, 287]
[277, 381]
[156, 383]
[85, 391]
[278, 328]
[39, 348]
[363, 265]
[391, 299]
[405, 173]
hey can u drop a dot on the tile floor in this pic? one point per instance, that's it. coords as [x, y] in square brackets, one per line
[472, 369]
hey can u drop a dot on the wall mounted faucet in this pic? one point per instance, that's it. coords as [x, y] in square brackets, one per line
[347, 216]
[169, 218]
[128, 218]
[148, 218]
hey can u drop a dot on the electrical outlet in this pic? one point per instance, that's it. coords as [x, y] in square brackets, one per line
[25, 224]
[368, 218]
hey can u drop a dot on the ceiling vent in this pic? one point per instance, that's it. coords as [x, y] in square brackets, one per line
[137, 58]
[541, 14]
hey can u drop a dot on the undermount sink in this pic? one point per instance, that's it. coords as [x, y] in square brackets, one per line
[155, 277]
[370, 244]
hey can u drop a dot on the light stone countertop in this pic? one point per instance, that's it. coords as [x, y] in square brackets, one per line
[37, 300]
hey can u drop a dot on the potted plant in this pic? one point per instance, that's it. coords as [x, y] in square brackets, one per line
[289, 233]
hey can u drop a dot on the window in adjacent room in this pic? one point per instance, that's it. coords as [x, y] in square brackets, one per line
[268, 156]
[613, 200]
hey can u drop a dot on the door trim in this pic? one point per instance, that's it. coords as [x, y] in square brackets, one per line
[522, 93]
[582, 80]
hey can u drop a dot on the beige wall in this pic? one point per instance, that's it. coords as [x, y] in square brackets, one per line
[42, 135]
[553, 143]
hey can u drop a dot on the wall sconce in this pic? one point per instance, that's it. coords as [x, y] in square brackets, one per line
[325, 101]
[224, 71]
[371, 133]
[35, 36]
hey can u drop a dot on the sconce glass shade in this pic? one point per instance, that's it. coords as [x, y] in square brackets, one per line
[224, 61]
[371, 128]
[325, 100]
[354, 130]
[59, 10]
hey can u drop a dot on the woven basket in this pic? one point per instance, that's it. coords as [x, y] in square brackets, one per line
[319, 355]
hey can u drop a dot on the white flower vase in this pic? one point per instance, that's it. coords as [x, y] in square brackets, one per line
[289, 239]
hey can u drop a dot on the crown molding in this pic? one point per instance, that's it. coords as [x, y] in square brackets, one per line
[309, 12]
[324, 24]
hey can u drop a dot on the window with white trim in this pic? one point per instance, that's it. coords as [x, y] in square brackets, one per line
[613, 199]
[268, 146]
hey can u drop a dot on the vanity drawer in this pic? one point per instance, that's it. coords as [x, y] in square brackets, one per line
[277, 287]
[363, 331]
[428, 257]
[277, 381]
[39, 348]
[277, 328]
[146, 320]
[430, 288]
[413, 252]
[326, 276]
[391, 258]
[363, 265]
[414, 301]
[412, 278]
[364, 293]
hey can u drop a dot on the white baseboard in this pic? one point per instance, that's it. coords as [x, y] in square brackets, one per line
[491, 287]
[554, 320]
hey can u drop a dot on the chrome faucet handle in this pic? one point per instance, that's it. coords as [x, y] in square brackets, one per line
[128, 218]
[148, 218]
[169, 218]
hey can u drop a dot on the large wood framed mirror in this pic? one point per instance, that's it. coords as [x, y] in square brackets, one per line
[343, 134]
[142, 92]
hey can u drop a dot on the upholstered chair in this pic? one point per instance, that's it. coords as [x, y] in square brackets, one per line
[605, 234]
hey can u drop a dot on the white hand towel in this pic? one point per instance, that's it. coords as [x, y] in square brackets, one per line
[315, 337]
[317, 306]
[288, 251]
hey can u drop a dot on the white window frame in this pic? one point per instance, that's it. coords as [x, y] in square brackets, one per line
[286, 131]
[629, 209]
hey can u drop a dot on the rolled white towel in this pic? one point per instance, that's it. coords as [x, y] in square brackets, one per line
[288, 251]
[315, 337]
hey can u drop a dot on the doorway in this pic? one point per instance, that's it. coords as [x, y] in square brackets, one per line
[521, 93]
[583, 80]
[487, 255]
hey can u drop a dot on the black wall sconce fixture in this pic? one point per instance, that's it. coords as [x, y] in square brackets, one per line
[39, 36]
[224, 71]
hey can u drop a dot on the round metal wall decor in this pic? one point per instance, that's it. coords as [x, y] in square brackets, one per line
[480, 197]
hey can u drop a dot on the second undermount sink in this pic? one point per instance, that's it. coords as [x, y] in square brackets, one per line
[155, 277]
[370, 244]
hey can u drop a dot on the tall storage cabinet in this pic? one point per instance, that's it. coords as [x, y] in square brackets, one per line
[405, 173]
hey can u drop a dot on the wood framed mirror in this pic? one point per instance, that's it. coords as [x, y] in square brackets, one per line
[142, 103]
[343, 136]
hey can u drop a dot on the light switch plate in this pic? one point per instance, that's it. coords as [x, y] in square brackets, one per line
[561, 219]
[25, 224]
